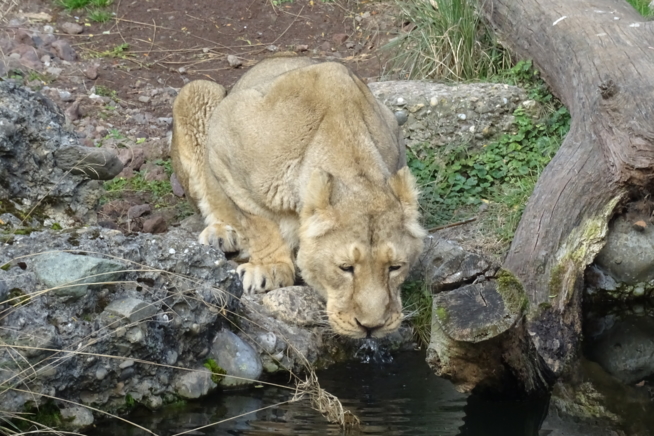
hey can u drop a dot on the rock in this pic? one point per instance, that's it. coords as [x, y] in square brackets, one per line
[73, 274]
[194, 384]
[144, 99]
[31, 130]
[73, 112]
[138, 210]
[63, 50]
[626, 349]
[402, 117]
[23, 37]
[301, 48]
[54, 71]
[72, 28]
[132, 157]
[156, 224]
[180, 286]
[437, 123]
[325, 46]
[178, 189]
[272, 48]
[30, 59]
[47, 29]
[132, 309]
[445, 265]
[66, 96]
[234, 61]
[237, 358]
[91, 72]
[76, 417]
[339, 38]
[299, 305]
[95, 163]
[627, 255]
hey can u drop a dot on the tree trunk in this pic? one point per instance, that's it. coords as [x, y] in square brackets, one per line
[598, 58]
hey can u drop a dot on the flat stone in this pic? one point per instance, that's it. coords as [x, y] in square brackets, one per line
[91, 72]
[77, 417]
[57, 269]
[138, 210]
[194, 384]
[95, 163]
[178, 189]
[72, 28]
[131, 308]
[237, 358]
[299, 305]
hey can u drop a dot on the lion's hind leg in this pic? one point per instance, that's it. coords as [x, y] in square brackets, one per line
[192, 111]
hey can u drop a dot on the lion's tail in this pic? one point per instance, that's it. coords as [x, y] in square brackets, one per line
[191, 112]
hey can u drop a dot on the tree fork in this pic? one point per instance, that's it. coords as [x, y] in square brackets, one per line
[598, 58]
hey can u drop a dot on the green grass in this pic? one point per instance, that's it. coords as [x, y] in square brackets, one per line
[417, 303]
[99, 15]
[642, 6]
[446, 42]
[157, 189]
[456, 179]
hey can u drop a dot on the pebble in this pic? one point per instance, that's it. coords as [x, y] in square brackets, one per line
[234, 61]
[91, 72]
[156, 224]
[144, 99]
[48, 29]
[66, 96]
[272, 48]
[72, 28]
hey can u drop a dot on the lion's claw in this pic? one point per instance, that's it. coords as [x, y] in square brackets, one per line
[221, 236]
[265, 277]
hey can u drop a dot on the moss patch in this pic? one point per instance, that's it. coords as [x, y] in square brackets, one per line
[216, 371]
[442, 314]
[512, 292]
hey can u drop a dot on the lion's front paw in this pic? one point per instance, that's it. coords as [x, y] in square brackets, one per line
[257, 277]
[222, 236]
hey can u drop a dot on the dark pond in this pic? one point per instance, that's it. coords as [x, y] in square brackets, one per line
[399, 398]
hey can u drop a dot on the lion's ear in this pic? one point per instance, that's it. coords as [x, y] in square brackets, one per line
[403, 185]
[317, 216]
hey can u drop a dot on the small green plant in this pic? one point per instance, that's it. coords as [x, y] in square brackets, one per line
[116, 52]
[279, 2]
[99, 15]
[157, 189]
[417, 303]
[446, 39]
[56, 226]
[642, 6]
[115, 134]
[103, 91]
[216, 371]
[71, 5]
[101, 3]
[130, 402]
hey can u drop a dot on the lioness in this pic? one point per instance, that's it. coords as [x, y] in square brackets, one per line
[301, 158]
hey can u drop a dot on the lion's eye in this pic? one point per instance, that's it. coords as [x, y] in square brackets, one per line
[347, 268]
[394, 267]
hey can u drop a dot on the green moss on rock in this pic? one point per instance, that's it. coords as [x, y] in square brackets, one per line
[216, 371]
[512, 292]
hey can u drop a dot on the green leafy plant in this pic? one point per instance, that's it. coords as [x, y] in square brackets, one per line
[71, 5]
[103, 91]
[445, 39]
[138, 183]
[116, 52]
[456, 180]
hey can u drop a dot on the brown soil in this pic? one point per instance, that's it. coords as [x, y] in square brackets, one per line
[168, 43]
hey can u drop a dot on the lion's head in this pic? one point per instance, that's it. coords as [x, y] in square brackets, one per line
[356, 248]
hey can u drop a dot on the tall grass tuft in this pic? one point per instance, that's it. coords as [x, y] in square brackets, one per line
[445, 40]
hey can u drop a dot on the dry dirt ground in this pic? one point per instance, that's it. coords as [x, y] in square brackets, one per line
[118, 90]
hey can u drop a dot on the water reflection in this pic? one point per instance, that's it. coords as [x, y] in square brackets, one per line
[399, 398]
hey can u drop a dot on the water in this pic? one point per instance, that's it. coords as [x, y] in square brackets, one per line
[402, 397]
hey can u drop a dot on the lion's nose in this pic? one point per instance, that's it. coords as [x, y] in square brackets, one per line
[368, 328]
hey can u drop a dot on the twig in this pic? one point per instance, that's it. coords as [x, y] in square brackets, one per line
[447, 226]
[154, 35]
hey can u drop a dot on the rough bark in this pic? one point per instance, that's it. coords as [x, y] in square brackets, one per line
[598, 58]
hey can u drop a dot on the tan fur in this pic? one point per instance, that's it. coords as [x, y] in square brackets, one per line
[301, 156]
